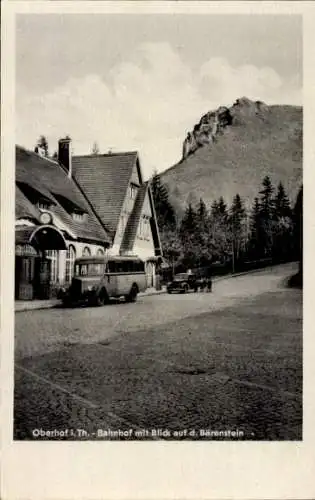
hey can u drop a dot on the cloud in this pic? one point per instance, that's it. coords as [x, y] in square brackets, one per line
[227, 82]
[147, 103]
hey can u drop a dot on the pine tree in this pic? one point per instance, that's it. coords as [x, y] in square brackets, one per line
[189, 236]
[42, 143]
[237, 222]
[203, 235]
[255, 243]
[214, 209]
[281, 203]
[255, 218]
[201, 211]
[219, 230]
[95, 149]
[266, 198]
[283, 226]
[202, 220]
[298, 226]
[238, 213]
[188, 224]
[164, 211]
[222, 208]
[267, 215]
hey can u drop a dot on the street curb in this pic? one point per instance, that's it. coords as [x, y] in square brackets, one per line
[36, 307]
[156, 292]
[31, 306]
[55, 303]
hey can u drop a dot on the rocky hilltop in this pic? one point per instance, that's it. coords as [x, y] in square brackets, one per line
[213, 123]
[232, 148]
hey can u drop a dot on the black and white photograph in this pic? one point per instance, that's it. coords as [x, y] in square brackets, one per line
[158, 227]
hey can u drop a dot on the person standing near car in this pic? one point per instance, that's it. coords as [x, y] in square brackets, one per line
[209, 283]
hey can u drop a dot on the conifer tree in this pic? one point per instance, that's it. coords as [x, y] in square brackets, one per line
[255, 243]
[188, 224]
[298, 227]
[267, 215]
[203, 234]
[164, 211]
[222, 208]
[281, 203]
[237, 222]
[95, 149]
[188, 233]
[283, 226]
[43, 144]
[214, 209]
[219, 229]
[201, 211]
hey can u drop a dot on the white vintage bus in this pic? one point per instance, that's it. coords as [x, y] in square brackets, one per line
[97, 279]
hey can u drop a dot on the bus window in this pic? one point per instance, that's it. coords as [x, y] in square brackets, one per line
[140, 266]
[127, 266]
[96, 269]
[111, 267]
[81, 270]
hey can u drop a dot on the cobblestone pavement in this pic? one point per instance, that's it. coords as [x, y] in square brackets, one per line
[195, 366]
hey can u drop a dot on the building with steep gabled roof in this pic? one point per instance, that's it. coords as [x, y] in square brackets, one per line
[54, 225]
[113, 186]
[104, 180]
[78, 206]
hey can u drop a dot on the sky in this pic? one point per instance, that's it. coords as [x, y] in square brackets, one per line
[141, 82]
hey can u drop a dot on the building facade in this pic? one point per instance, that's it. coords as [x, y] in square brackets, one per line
[80, 206]
[54, 225]
[114, 188]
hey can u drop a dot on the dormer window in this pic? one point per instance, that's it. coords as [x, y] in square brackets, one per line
[144, 227]
[78, 216]
[133, 189]
[43, 204]
[71, 206]
[37, 194]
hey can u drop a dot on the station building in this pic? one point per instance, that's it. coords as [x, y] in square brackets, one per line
[78, 206]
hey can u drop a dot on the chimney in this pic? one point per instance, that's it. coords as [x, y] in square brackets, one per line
[64, 154]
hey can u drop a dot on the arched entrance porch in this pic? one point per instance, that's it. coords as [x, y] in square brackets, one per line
[34, 247]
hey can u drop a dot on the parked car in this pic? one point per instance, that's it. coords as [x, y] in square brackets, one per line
[185, 282]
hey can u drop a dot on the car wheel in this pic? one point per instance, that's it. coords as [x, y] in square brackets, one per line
[102, 298]
[132, 296]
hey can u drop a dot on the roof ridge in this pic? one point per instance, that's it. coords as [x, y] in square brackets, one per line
[104, 180]
[51, 160]
[100, 155]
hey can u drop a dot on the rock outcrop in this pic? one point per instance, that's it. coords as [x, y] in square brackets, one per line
[214, 123]
[232, 148]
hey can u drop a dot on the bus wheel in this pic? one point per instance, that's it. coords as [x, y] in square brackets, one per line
[67, 303]
[102, 298]
[132, 296]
